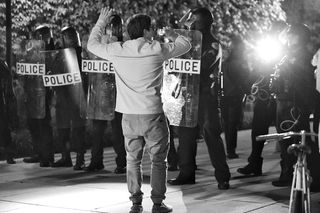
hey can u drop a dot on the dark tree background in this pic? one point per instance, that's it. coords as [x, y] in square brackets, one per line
[230, 16]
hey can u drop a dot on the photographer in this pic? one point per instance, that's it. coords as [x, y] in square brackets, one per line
[294, 88]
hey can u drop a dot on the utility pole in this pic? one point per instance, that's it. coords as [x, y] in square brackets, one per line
[8, 33]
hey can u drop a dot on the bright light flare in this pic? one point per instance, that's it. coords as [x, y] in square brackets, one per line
[268, 49]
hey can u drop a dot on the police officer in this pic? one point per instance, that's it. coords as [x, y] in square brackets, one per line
[264, 111]
[99, 124]
[294, 87]
[40, 128]
[209, 120]
[6, 97]
[70, 126]
[235, 76]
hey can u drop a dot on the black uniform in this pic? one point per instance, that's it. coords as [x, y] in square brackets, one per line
[209, 116]
[69, 98]
[235, 76]
[6, 94]
[99, 124]
[40, 128]
[295, 91]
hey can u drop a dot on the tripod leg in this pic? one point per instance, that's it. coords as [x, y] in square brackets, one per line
[296, 198]
[306, 190]
[293, 188]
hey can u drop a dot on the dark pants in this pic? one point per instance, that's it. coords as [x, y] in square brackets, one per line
[42, 138]
[71, 129]
[231, 113]
[264, 112]
[210, 125]
[172, 154]
[117, 141]
[76, 142]
[5, 136]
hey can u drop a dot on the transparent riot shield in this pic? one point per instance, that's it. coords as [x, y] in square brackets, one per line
[181, 83]
[101, 96]
[65, 78]
[30, 67]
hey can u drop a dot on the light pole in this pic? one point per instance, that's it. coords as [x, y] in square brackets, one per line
[8, 32]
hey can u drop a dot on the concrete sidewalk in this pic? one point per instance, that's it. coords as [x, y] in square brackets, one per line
[27, 188]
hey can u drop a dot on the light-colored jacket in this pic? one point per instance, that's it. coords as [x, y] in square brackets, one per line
[138, 68]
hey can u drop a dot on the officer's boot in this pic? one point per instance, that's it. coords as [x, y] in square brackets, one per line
[79, 162]
[65, 161]
[253, 168]
[10, 159]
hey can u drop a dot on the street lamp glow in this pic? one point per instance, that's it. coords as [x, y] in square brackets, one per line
[268, 49]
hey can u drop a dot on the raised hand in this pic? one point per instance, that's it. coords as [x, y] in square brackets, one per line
[105, 14]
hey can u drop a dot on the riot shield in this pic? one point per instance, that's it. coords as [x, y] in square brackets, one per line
[30, 68]
[101, 96]
[65, 78]
[181, 83]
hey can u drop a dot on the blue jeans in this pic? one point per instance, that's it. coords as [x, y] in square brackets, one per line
[151, 130]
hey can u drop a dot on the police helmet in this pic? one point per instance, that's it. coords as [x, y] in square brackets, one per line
[70, 37]
[44, 33]
[203, 18]
[116, 26]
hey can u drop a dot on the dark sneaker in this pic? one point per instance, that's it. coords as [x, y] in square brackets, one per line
[181, 181]
[120, 170]
[10, 161]
[250, 170]
[282, 183]
[223, 185]
[161, 208]
[79, 162]
[94, 167]
[79, 166]
[45, 164]
[136, 208]
[63, 163]
[232, 155]
[33, 159]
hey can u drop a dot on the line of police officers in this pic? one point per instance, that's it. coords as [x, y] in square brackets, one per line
[292, 86]
[63, 92]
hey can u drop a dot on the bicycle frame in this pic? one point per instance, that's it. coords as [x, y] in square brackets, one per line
[300, 189]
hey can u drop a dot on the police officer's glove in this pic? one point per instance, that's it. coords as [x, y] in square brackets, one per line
[214, 85]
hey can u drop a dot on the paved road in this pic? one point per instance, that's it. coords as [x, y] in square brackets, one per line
[27, 188]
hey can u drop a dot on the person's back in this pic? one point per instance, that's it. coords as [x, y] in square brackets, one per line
[138, 68]
[139, 77]
[138, 64]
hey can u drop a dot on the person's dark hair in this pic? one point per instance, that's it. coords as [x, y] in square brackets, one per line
[70, 37]
[116, 26]
[44, 33]
[205, 17]
[137, 24]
